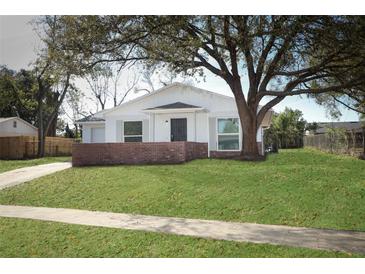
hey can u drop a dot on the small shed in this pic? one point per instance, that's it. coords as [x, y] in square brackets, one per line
[15, 126]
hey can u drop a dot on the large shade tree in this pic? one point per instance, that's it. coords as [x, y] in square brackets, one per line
[263, 59]
[54, 70]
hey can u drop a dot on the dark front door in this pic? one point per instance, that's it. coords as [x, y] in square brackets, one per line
[178, 129]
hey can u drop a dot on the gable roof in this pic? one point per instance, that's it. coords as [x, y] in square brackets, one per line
[176, 105]
[97, 117]
[4, 119]
[176, 84]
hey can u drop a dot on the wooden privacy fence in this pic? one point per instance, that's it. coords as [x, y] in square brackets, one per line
[23, 147]
[351, 144]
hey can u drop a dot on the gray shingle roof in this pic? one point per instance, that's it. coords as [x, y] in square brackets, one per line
[90, 118]
[173, 106]
[322, 127]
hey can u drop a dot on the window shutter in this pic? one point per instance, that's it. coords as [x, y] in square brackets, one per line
[145, 131]
[119, 128]
[212, 133]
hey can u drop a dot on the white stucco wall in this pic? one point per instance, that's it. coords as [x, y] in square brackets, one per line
[156, 126]
[163, 126]
[202, 127]
[159, 129]
[22, 128]
[88, 136]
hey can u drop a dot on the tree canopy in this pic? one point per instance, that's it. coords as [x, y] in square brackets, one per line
[274, 56]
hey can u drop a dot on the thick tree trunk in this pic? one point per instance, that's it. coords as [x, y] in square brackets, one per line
[363, 141]
[52, 128]
[250, 149]
[41, 135]
[248, 119]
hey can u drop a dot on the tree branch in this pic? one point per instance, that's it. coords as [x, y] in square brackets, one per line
[308, 90]
[281, 51]
[346, 105]
[207, 65]
[267, 107]
[59, 103]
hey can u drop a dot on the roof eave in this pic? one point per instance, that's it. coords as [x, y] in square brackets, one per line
[173, 110]
[90, 122]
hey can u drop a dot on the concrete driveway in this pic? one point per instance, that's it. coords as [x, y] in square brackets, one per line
[26, 174]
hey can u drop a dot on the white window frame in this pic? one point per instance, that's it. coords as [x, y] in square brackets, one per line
[228, 134]
[132, 135]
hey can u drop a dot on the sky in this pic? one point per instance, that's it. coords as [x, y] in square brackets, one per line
[19, 44]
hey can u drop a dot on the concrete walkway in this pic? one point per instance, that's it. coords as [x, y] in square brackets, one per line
[25, 174]
[347, 241]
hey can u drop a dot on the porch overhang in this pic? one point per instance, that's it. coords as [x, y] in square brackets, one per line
[173, 110]
[176, 107]
[90, 123]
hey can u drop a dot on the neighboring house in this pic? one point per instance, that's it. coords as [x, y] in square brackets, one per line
[338, 137]
[15, 126]
[177, 112]
[355, 127]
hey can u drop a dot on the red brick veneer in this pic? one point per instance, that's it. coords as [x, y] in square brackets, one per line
[137, 153]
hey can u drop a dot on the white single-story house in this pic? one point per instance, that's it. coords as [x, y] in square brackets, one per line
[177, 112]
[15, 126]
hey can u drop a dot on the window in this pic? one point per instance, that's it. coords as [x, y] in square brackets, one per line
[14, 123]
[133, 131]
[228, 134]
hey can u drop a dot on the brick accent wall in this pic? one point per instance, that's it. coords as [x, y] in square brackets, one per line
[224, 154]
[231, 154]
[195, 150]
[137, 153]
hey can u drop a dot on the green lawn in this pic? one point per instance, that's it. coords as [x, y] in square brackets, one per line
[27, 238]
[298, 187]
[295, 187]
[6, 165]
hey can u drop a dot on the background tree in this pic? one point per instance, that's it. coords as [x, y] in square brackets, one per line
[337, 138]
[158, 76]
[74, 108]
[258, 57]
[69, 133]
[121, 92]
[99, 80]
[312, 127]
[54, 70]
[19, 97]
[287, 129]
[105, 84]
[17, 90]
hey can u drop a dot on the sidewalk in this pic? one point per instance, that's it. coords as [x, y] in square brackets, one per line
[339, 240]
[25, 174]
